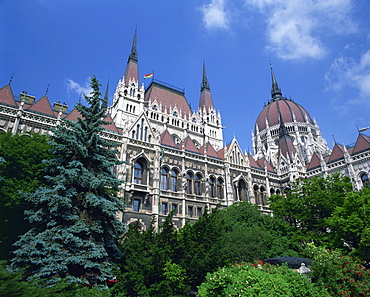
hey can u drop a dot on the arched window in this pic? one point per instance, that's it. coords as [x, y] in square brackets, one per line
[220, 188]
[241, 190]
[173, 181]
[140, 171]
[263, 196]
[164, 179]
[212, 187]
[197, 185]
[256, 194]
[365, 180]
[189, 183]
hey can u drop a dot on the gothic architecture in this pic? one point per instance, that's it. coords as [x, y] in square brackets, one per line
[175, 158]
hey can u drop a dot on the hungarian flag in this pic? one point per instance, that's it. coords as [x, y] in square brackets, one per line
[148, 75]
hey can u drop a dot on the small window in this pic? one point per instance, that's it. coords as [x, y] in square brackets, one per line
[197, 185]
[164, 179]
[137, 205]
[174, 209]
[212, 187]
[220, 189]
[154, 107]
[173, 181]
[164, 208]
[199, 212]
[189, 183]
[190, 211]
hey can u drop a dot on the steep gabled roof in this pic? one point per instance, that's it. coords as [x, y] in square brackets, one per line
[189, 145]
[253, 162]
[6, 96]
[337, 153]
[261, 162]
[73, 115]
[167, 97]
[362, 143]
[211, 152]
[42, 106]
[167, 139]
[111, 126]
[315, 161]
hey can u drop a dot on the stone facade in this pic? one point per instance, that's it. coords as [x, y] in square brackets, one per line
[175, 158]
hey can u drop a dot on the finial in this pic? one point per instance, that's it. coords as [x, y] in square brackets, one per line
[105, 101]
[275, 91]
[133, 54]
[47, 90]
[11, 78]
[205, 83]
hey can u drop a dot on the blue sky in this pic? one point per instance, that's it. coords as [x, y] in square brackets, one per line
[319, 49]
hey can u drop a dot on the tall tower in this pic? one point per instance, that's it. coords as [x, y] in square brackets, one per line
[208, 115]
[128, 100]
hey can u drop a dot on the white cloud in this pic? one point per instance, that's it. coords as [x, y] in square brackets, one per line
[347, 74]
[215, 15]
[80, 89]
[295, 28]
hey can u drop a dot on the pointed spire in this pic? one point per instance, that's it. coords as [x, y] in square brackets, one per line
[283, 131]
[275, 90]
[132, 71]
[205, 101]
[105, 101]
[205, 83]
[133, 54]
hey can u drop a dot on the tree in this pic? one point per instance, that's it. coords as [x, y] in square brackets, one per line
[22, 170]
[349, 224]
[74, 220]
[252, 279]
[309, 203]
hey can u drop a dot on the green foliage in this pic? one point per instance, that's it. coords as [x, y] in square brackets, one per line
[147, 267]
[12, 284]
[309, 203]
[238, 233]
[21, 171]
[350, 224]
[74, 224]
[247, 279]
[339, 275]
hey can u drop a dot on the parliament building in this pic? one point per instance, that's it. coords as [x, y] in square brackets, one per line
[175, 158]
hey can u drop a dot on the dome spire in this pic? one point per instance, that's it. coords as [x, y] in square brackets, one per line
[132, 71]
[275, 90]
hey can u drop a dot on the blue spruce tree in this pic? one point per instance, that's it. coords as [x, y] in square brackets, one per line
[75, 225]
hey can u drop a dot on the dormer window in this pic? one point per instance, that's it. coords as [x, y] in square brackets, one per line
[154, 107]
[175, 114]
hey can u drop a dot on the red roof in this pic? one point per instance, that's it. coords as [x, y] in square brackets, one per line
[315, 161]
[284, 107]
[189, 145]
[286, 146]
[6, 96]
[131, 72]
[362, 143]
[262, 162]
[252, 162]
[111, 126]
[73, 115]
[43, 106]
[168, 97]
[211, 152]
[206, 99]
[167, 139]
[337, 153]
